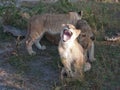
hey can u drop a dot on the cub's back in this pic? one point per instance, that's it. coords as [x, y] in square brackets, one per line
[54, 21]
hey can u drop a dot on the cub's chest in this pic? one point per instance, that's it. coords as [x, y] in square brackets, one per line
[67, 54]
[71, 52]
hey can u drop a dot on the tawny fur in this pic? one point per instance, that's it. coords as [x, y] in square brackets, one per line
[72, 55]
[50, 23]
[86, 39]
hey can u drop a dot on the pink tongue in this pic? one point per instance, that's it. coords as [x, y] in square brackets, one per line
[66, 38]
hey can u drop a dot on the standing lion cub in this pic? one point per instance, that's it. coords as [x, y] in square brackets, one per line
[72, 53]
[51, 23]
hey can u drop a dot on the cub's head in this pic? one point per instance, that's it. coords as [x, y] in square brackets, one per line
[69, 33]
[86, 30]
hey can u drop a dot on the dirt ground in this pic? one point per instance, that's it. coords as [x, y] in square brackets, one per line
[40, 76]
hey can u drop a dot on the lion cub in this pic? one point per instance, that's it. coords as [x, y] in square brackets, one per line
[51, 23]
[86, 39]
[72, 53]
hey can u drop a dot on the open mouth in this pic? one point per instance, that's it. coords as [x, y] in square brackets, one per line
[66, 35]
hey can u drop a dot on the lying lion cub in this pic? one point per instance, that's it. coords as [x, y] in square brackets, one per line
[50, 23]
[71, 53]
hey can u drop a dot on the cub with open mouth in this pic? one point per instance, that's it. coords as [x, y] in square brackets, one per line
[66, 34]
[72, 53]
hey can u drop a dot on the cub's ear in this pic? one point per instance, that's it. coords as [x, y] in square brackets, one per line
[80, 13]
